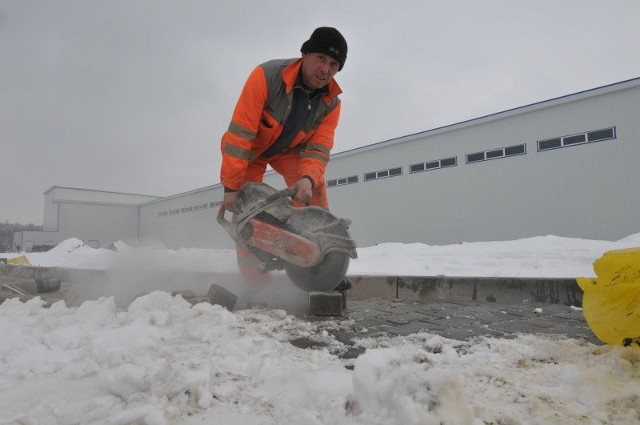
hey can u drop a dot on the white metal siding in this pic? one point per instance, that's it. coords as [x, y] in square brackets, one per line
[99, 222]
[587, 191]
[97, 196]
[189, 219]
[50, 219]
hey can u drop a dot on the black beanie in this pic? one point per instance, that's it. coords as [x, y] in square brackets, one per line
[329, 41]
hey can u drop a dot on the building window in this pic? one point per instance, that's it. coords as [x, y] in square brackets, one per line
[375, 175]
[497, 153]
[515, 150]
[449, 162]
[342, 181]
[200, 207]
[395, 172]
[573, 140]
[475, 157]
[416, 168]
[598, 135]
[433, 165]
[577, 139]
[544, 145]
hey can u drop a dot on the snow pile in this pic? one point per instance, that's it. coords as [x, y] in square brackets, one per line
[541, 256]
[74, 254]
[163, 361]
[69, 246]
[404, 385]
[71, 253]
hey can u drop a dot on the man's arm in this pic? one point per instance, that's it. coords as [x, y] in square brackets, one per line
[237, 140]
[229, 200]
[315, 156]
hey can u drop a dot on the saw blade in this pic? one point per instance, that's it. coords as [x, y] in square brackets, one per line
[324, 277]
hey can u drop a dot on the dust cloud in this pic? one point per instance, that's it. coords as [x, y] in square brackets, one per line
[141, 272]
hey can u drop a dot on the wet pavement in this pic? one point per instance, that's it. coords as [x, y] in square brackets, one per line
[464, 320]
[463, 308]
[458, 320]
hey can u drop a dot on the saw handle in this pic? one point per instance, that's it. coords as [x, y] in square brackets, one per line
[232, 226]
[287, 193]
[228, 225]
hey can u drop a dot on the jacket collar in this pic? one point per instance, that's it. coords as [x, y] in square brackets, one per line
[290, 76]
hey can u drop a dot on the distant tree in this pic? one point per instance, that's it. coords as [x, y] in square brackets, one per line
[8, 229]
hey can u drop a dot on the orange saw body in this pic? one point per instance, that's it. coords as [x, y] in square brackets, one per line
[309, 243]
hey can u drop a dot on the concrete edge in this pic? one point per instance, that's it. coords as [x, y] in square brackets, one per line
[459, 288]
[409, 288]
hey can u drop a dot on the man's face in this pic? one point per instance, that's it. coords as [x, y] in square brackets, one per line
[318, 69]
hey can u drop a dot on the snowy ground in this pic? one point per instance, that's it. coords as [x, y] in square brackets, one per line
[163, 361]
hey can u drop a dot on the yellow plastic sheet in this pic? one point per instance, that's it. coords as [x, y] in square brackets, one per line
[611, 302]
[21, 260]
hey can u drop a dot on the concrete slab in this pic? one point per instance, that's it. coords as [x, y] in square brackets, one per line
[481, 289]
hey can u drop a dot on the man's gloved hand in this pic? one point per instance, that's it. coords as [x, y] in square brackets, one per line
[303, 188]
[229, 201]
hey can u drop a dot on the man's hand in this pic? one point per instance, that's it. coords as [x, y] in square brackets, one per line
[229, 201]
[303, 189]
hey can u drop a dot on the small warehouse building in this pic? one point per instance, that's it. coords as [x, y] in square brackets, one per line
[97, 217]
[566, 166]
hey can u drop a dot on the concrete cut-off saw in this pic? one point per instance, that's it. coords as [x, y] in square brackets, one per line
[311, 244]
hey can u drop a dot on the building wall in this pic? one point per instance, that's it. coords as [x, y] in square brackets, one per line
[96, 196]
[26, 240]
[98, 225]
[586, 191]
[50, 219]
[97, 217]
[184, 220]
[189, 219]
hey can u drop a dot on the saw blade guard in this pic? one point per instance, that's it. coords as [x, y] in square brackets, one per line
[336, 246]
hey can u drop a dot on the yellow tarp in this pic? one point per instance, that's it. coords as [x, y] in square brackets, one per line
[21, 260]
[611, 302]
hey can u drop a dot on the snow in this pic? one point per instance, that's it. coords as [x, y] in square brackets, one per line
[540, 256]
[163, 361]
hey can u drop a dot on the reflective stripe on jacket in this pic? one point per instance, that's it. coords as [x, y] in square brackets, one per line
[261, 111]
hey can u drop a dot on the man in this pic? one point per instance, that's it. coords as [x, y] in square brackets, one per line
[286, 117]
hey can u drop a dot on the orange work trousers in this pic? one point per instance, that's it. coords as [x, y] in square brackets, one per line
[285, 164]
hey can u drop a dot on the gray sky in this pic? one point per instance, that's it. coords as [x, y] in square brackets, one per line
[133, 96]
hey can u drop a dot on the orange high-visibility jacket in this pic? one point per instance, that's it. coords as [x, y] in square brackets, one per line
[259, 116]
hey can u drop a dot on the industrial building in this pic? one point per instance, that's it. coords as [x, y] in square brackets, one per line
[566, 166]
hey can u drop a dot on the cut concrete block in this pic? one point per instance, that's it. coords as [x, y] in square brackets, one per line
[221, 296]
[325, 303]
